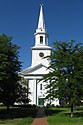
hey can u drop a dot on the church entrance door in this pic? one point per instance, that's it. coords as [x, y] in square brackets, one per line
[41, 101]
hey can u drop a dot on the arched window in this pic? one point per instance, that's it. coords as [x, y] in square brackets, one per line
[41, 39]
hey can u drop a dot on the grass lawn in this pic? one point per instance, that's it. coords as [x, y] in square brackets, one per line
[17, 116]
[61, 116]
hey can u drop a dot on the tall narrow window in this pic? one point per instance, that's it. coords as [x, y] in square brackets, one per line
[40, 86]
[41, 39]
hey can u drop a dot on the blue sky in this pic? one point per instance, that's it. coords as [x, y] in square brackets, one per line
[19, 18]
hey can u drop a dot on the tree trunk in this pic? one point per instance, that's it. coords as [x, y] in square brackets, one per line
[8, 107]
[72, 110]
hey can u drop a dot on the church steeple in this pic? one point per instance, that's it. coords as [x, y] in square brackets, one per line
[41, 48]
[41, 36]
[41, 23]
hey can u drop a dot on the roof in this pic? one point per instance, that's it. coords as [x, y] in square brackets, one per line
[39, 69]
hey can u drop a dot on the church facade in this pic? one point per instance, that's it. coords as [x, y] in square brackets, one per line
[39, 65]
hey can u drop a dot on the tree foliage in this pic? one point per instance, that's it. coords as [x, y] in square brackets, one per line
[66, 73]
[9, 67]
[23, 92]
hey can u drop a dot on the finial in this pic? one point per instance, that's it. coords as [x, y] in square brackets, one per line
[41, 4]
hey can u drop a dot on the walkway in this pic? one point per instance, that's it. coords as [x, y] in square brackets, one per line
[40, 118]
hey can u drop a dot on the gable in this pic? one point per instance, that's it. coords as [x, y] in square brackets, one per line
[38, 69]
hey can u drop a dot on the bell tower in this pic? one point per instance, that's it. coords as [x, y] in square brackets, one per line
[41, 48]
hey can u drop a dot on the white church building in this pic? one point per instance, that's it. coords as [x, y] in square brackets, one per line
[39, 64]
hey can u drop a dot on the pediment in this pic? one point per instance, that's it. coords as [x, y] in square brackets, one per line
[38, 69]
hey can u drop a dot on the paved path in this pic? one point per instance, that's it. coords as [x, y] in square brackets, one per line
[40, 118]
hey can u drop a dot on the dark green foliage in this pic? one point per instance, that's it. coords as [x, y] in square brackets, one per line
[9, 67]
[23, 92]
[16, 112]
[66, 73]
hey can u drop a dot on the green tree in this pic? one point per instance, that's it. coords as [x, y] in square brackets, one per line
[9, 67]
[23, 92]
[66, 73]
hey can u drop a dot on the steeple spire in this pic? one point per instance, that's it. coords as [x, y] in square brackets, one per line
[41, 23]
[41, 35]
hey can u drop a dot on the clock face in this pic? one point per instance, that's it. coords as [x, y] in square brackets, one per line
[41, 54]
